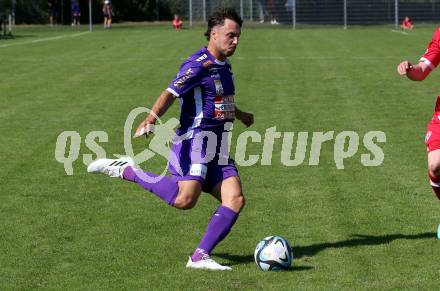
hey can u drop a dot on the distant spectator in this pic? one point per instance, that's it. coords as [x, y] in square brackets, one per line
[407, 24]
[289, 6]
[53, 11]
[273, 10]
[107, 10]
[261, 10]
[177, 22]
[76, 12]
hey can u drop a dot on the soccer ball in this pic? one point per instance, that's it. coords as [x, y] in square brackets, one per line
[273, 253]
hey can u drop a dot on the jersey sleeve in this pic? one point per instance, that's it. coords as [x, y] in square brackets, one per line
[432, 54]
[189, 77]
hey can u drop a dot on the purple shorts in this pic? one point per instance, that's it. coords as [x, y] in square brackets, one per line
[190, 156]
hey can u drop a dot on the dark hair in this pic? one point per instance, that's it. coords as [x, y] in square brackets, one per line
[218, 18]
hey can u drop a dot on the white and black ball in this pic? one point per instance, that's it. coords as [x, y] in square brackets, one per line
[273, 253]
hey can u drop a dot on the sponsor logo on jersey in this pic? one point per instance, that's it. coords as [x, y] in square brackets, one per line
[181, 80]
[224, 107]
[218, 87]
[201, 58]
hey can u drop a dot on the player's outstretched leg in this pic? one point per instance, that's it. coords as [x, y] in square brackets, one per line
[166, 188]
[110, 167]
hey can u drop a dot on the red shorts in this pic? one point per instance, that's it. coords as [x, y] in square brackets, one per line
[432, 135]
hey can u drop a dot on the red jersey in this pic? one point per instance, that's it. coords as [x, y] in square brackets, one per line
[406, 23]
[432, 54]
[432, 59]
[177, 23]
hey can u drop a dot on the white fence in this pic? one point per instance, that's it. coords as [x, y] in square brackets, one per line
[321, 12]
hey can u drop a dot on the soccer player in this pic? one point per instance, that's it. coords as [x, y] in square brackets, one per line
[407, 24]
[206, 91]
[177, 22]
[419, 72]
[53, 11]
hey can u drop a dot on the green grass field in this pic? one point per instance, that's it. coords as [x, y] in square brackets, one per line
[356, 228]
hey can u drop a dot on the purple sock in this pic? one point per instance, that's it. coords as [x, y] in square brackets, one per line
[166, 188]
[218, 228]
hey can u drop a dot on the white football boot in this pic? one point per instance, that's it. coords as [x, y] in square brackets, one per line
[207, 264]
[111, 167]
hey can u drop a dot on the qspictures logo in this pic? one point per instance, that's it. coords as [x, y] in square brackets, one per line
[346, 144]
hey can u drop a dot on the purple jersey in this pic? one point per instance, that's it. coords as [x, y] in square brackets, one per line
[205, 87]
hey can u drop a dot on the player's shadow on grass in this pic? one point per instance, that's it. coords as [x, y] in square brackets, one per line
[358, 240]
[247, 259]
[311, 250]
[236, 259]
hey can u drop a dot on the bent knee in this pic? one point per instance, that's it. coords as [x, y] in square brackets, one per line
[185, 202]
[434, 169]
[240, 201]
[235, 203]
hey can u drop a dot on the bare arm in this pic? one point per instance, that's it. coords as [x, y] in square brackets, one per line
[245, 117]
[163, 102]
[414, 72]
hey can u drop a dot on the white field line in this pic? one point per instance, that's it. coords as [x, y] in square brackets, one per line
[261, 58]
[239, 59]
[399, 31]
[85, 32]
[45, 39]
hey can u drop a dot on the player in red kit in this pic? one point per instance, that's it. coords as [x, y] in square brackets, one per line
[407, 23]
[427, 63]
[177, 22]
